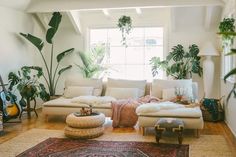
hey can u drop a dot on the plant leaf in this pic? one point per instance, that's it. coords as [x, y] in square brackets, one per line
[54, 24]
[34, 40]
[36, 68]
[63, 54]
[177, 53]
[13, 80]
[232, 72]
[233, 52]
[64, 69]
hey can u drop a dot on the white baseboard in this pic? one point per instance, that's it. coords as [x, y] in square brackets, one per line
[234, 133]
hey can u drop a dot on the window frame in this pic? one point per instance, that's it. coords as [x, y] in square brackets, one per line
[165, 38]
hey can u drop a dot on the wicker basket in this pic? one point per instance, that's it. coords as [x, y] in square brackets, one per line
[207, 115]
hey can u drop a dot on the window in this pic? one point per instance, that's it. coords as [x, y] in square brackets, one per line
[228, 62]
[130, 62]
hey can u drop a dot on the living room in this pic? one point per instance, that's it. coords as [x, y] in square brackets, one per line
[85, 57]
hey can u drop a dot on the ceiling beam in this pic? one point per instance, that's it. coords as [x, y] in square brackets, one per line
[43, 20]
[75, 20]
[138, 11]
[106, 12]
[208, 17]
[62, 5]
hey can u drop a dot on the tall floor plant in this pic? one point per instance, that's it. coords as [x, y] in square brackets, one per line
[53, 72]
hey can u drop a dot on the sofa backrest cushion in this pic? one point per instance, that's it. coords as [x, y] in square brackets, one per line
[85, 82]
[123, 93]
[120, 83]
[158, 85]
[75, 91]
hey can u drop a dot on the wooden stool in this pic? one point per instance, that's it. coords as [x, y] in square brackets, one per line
[169, 124]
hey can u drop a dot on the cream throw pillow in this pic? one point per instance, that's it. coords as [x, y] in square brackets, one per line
[123, 93]
[75, 91]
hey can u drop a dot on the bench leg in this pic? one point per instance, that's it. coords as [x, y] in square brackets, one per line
[142, 129]
[197, 133]
[46, 118]
[158, 135]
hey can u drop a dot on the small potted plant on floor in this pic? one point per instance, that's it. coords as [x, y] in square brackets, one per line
[28, 86]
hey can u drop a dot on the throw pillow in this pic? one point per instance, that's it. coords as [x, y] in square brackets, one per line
[75, 91]
[123, 93]
[85, 82]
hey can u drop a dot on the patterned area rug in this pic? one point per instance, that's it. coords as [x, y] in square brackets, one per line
[205, 146]
[61, 147]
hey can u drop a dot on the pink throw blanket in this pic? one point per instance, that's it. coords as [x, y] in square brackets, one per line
[123, 111]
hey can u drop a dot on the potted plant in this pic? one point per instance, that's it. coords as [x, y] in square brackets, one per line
[92, 62]
[227, 32]
[53, 73]
[125, 26]
[179, 63]
[28, 85]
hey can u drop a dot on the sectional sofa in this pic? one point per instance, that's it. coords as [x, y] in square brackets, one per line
[122, 89]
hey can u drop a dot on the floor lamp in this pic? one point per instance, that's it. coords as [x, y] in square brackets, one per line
[208, 50]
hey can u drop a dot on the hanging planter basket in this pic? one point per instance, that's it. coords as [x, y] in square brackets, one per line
[125, 26]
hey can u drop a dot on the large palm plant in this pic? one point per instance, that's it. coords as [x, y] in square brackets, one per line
[92, 62]
[179, 63]
[52, 73]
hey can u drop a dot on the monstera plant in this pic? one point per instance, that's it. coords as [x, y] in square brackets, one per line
[52, 73]
[27, 84]
[179, 63]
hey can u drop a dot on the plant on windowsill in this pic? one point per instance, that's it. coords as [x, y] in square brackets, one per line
[92, 62]
[125, 26]
[28, 85]
[227, 32]
[52, 73]
[179, 64]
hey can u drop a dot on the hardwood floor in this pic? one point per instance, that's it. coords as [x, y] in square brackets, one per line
[58, 123]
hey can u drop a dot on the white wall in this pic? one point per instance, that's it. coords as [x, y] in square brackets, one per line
[190, 30]
[16, 52]
[230, 108]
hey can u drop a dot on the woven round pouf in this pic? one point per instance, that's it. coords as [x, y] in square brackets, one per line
[85, 121]
[83, 133]
[84, 126]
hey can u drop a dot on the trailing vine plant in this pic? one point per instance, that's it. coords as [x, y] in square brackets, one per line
[125, 26]
[227, 32]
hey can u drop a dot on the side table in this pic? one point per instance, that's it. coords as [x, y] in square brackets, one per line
[169, 124]
[29, 109]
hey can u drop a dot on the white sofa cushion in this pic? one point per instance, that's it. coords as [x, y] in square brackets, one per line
[120, 83]
[158, 85]
[85, 82]
[63, 102]
[75, 91]
[122, 93]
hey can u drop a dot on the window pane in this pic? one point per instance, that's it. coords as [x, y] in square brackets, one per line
[135, 55]
[150, 52]
[154, 32]
[134, 72]
[118, 71]
[117, 55]
[114, 37]
[136, 37]
[98, 36]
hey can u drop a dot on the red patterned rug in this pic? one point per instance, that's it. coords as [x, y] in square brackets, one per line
[61, 147]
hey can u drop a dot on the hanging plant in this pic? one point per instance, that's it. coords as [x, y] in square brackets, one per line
[227, 29]
[125, 26]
